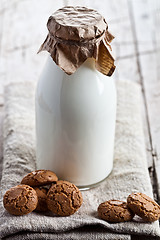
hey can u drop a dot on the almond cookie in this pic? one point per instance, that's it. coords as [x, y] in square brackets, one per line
[39, 178]
[115, 211]
[64, 198]
[144, 206]
[20, 200]
[42, 197]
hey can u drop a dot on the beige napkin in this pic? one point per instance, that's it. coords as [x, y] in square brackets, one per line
[130, 172]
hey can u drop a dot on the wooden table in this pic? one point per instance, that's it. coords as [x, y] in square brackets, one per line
[136, 25]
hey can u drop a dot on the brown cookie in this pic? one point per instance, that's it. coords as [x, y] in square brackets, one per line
[144, 206]
[42, 197]
[20, 200]
[115, 211]
[39, 178]
[64, 198]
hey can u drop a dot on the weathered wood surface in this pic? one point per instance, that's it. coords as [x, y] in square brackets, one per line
[145, 24]
[135, 23]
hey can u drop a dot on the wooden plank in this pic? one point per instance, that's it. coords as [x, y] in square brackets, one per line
[144, 25]
[22, 36]
[2, 12]
[1, 143]
[127, 67]
[143, 17]
[152, 86]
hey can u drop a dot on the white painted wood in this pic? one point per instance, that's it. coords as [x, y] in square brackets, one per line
[1, 143]
[144, 25]
[146, 15]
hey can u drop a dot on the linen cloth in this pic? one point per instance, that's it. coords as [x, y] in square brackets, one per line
[130, 173]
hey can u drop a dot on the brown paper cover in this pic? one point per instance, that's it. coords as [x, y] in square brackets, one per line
[78, 33]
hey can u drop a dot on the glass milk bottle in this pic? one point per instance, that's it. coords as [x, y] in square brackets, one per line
[75, 100]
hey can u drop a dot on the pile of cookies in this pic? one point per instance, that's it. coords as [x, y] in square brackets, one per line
[41, 191]
[137, 203]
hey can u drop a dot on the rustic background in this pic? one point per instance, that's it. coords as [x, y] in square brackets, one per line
[136, 25]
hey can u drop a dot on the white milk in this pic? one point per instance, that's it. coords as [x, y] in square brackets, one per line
[75, 123]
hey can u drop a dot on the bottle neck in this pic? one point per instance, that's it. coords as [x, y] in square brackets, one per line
[90, 63]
